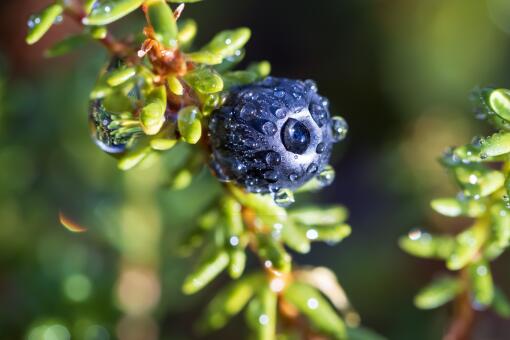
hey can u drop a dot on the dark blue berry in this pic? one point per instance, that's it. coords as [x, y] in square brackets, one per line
[270, 135]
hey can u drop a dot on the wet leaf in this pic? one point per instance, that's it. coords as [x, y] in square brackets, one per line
[204, 80]
[454, 207]
[152, 115]
[163, 22]
[206, 272]
[312, 304]
[41, 22]
[495, 145]
[204, 57]
[189, 124]
[481, 283]
[187, 32]
[226, 43]
[319, 216]
[422, 244]
[261, 314]
[104, 12]
[467, 245]
[120, 76]
[273, 254]
[438, 292]
[229, 302]
[499, 100]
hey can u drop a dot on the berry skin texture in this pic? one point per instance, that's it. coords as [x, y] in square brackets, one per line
[271, 135]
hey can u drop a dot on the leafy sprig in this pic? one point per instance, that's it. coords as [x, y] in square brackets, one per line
[481, 170]
[159, 92]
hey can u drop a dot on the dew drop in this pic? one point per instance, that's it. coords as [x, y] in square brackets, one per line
[312, 234]
[248, 111]
[295, 136]
[312, 168]
[279, 93]
[340, 128]
[269, 128]
[273, 158]
[326, 176]
[284, 197]
[271, 176]
[312, 303]
[321, 147]
[293, 177]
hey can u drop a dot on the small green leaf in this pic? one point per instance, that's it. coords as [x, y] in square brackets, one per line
[229, 302]
[205, 57]
[495, 145]
[163, 144]
[237, 263]
[261, 314]
[189, 124]
[467, 245]
[98, 32]
[438, 292]
[204, 80]
[422, 244]
[209, 220]
[312, 304]
[163, 22]
[104, 12]
[238, 78]
[273, 253]
[295, 238]
[134, 157]
[262, 69]
[500, 303]
[175, 85]
[319, 216]
[328, 233]
[152, 115]
[479, 180]
[454, 207]
[481, 283]
[181, 180]
[67, 45]
[187, 32]
[206, 272]
[500, 102]
[263, 205]
[120, 76]
[230, 62]
[232, 210]
[40, 23]
[226, 43]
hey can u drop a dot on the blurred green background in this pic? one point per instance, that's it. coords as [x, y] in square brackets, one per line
[399, 71]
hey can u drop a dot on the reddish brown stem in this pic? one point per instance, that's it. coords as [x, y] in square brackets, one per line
[463, 320]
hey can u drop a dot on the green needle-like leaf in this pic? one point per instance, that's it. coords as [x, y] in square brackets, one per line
[226, 43]
[187, 32]
[319, 216]
[40, 23]
[205, 80]
[229, 302]
[105, 12]
[425, 245]
[272, 252]
[120, 76]
[163, 22]
[467, 245]
[500, 303]
[152, 115]
[206, 272]
[438, 292]
[500, 102]
[312, 304]
[454, 207]
[295, 238]
[261, 314]
[495, 145]
[190, 126]
[481, 283]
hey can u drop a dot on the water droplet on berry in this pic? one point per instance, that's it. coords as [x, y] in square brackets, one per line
[293, 177]
[312, 168]
[269, 128]
[273, 188]
[279, 93]
[284, 197]
[326, 176]
[296, 136]
[248, 111]
[321, 147]
[273, 158]
[271, 176]
[340, 128]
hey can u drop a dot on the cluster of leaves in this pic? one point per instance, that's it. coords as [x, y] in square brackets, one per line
[156, 93]
[481, 170]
